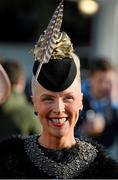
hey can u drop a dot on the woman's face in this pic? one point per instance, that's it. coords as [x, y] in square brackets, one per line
[58, 111]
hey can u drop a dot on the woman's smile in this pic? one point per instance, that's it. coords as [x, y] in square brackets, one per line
[57, 122]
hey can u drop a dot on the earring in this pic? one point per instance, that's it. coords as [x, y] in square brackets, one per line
[81, 108]
[36, 113]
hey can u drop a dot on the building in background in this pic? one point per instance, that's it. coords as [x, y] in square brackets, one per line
[22, 23]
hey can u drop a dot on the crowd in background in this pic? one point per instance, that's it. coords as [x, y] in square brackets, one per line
[16, 113]
[99, 118]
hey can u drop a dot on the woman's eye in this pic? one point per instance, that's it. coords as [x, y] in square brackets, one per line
[48, 99]
[69, 98]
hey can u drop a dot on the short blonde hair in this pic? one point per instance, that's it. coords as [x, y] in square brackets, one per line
[34, 84]
[77, 62]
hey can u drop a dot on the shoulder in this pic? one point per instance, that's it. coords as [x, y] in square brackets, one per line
[11, 145]
[13, 159]
[103, 165]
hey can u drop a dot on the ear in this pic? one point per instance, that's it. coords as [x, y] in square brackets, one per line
[81, 108]
[32, 98]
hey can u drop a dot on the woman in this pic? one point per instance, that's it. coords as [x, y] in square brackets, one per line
[57, 99]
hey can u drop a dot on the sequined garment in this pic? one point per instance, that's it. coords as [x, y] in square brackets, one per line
[70, 168]
[24, 158]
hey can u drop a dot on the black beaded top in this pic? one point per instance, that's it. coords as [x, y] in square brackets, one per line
[62, 163]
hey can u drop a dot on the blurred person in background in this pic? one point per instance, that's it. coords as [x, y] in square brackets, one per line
[16, 108]
[100, 114]
[5, 86]
[8, 128]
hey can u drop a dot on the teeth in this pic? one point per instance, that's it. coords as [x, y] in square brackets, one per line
[62, 120]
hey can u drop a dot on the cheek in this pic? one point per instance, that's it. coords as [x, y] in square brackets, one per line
[42, 114]
[79, 103]
[42, 110]
[39, 107]
[75, 107]
[75, 115]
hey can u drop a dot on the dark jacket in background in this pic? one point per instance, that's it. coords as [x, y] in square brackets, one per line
[106, 108]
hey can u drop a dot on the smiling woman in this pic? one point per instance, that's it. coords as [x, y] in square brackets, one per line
[57, 100]
[58, 113]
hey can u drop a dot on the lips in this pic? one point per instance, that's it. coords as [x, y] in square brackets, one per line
[57, 121]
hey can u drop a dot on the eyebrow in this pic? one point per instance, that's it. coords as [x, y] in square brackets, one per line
[47, 95]
[50, 95]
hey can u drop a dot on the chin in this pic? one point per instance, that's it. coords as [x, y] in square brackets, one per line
[58, 134]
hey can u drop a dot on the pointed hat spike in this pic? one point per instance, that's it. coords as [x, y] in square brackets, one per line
[46, 43]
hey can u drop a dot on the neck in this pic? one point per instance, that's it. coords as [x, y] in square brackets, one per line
[56, 142]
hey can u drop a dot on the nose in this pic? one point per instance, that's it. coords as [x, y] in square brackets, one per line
[59, 106]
